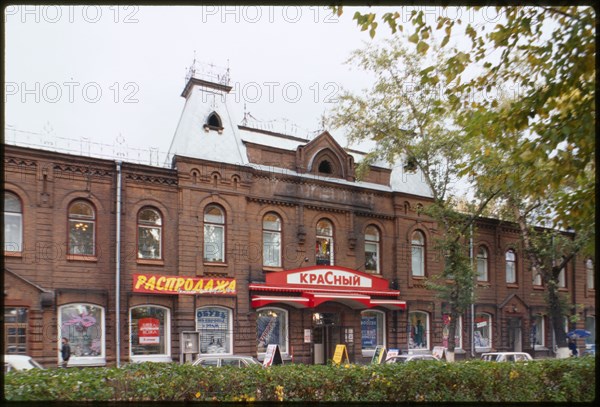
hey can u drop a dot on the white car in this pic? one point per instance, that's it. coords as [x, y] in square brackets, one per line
[20, 362]
[506, 357]
[411, 358]
[226, 360]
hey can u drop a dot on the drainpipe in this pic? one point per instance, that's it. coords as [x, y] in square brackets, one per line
[118, 268]
[472, 294]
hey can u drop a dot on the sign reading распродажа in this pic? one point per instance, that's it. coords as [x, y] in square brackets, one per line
[158, 284]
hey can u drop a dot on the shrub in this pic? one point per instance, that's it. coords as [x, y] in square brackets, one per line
[566, 380]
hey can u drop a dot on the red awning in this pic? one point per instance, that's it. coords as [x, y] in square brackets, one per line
[312, 300]
[264, 287]
[259, 301]
[390, 304]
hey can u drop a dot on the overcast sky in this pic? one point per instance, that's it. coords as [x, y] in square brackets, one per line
[100, 73]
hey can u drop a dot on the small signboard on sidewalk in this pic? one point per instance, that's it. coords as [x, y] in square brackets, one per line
[272, 356]
[438, 351]
[379, 354]
[392, 352]
[341, 353]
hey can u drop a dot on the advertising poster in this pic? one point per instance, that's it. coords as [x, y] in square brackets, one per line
[149, 331]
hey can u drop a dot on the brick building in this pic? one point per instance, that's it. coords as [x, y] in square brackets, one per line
[250, 238]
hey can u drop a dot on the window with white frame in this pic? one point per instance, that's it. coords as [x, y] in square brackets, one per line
[562, 280]
[215, 327]
[589, 272]
[482, 332]
[271, 240]
[13, 223]
[446, 318]
[214, 234]
[537, 277]
[372, 326]
[372, 250]
[538, 331]
[482, 264]
[82, 228]
[418, 254]
[419, 330]
[511, 267]
[83, 325]
[590, 325]
[324, 243]
[149, 335]
[149, 234]
[271, 329]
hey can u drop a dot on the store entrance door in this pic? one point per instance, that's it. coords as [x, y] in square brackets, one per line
[515, 335]
[326, 335]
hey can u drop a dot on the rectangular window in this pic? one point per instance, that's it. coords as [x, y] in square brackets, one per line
[538, 332]
[12, 232]
[83, 325]
[417, 261]
[271, 249]
[149, 327]
[214, 243]
[371, 263]
[148, 242]
[15, 331]
[81, 237]
[372, 331]
[215, 331]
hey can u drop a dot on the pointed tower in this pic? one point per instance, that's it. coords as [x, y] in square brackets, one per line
[206, 128]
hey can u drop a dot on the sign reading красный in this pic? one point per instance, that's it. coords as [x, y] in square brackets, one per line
[159, 284]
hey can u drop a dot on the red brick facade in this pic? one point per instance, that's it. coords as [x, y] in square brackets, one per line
[41, 277]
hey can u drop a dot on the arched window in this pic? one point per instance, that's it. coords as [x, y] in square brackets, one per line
[418, 254]
[372, 250]
[419, 330]
[214, 121]
[589, 271]
[83, 325]
[214, 234]
[511, 267]
[150, 337]
[82, 228]
[271, 240]
[271, 329]
[482, 333]
[13, 223]
[324, 244]
[325, 167]
[149, 234]
[482, 264]
[215, 327]
[372, 326]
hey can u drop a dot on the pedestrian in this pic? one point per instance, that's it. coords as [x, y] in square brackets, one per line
[65, 352]
[573, 348]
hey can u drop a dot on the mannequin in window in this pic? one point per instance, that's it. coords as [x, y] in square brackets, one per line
[418, 334]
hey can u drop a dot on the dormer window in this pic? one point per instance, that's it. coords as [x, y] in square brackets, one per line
[325, 167]
[213, 122]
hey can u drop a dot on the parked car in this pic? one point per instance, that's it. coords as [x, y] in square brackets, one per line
[20, 362]
[226, 360]
[411, 358]
[506, 357]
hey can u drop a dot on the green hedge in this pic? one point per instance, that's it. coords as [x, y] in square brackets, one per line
[567, 380]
